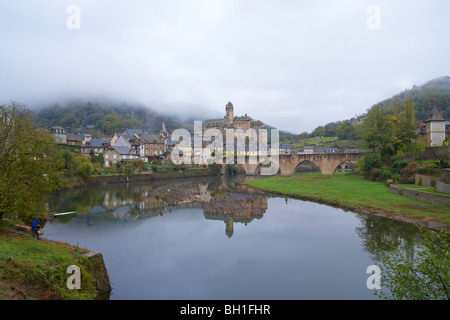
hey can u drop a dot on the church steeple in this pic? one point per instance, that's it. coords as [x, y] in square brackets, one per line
[163, 133]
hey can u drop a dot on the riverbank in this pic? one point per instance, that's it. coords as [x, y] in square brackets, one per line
[31, 269]
[353, 193]
[77, 182]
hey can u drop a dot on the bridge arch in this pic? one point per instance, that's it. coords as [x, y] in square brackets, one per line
[345, 166]
[307, 166]
[257, 169]
[234, 169]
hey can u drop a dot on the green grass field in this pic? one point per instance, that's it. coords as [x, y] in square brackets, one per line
[314, 140]
[352, 192]
[38, 270]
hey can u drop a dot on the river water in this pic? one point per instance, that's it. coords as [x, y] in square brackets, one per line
[218, 239]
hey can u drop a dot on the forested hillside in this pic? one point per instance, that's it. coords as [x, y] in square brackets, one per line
[108, 117]
[433, 93]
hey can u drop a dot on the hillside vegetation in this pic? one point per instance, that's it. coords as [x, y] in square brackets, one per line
[108, 117]
[350, 132]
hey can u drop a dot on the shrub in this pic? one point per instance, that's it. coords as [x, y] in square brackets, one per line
[374, 174]
[128, 168]
[408, 171]
[367, 163]
[386, 175]
[399, 165]
[396, 177]
[139, 164]
[85, 169]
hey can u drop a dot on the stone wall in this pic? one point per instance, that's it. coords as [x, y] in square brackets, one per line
[421, 195]
[427, 181]
[98, 269]
[443, 187]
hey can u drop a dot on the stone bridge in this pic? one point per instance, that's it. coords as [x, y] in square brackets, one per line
[327, 163]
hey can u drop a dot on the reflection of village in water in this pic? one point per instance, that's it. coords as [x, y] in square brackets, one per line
[224, 199]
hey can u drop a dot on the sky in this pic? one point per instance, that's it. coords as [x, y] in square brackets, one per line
[294, 65]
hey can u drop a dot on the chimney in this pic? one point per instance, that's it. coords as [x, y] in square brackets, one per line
[442, 112]
[421, 123]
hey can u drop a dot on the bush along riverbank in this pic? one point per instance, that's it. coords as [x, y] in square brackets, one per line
[33, 269]
[76, 182]
[354, 193]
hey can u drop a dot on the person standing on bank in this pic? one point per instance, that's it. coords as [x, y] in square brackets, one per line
[35, 228]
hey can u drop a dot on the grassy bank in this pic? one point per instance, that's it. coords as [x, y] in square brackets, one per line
[32, 269]
[354, 193]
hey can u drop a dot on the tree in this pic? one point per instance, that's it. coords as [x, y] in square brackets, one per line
[410, 115]
[381, 137]
[30, 165]
[346, 131]
[367, 163]
[387, 135]
[425, 277]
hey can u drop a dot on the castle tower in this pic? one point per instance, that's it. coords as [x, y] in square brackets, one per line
[229, 112]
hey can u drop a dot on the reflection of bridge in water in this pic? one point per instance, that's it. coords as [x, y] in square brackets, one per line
[224, 199]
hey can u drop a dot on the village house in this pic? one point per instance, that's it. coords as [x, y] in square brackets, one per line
[113, 155]
[78, 139]
[286, 148]
[435, 129]
[306, 150]
[75, 139]
[144, 144]
[128, 138]
[60, 134]
[89, 127]
[94, 146]
[151, 147]
[326, 150]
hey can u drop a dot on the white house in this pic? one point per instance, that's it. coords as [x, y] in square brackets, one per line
[435, 128]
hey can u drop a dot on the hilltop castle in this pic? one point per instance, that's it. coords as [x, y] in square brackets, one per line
[232, 122]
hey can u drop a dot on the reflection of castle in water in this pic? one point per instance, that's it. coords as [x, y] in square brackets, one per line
[219, 201]
[241, 208]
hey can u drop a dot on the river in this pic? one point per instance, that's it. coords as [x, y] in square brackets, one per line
[215, 238]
